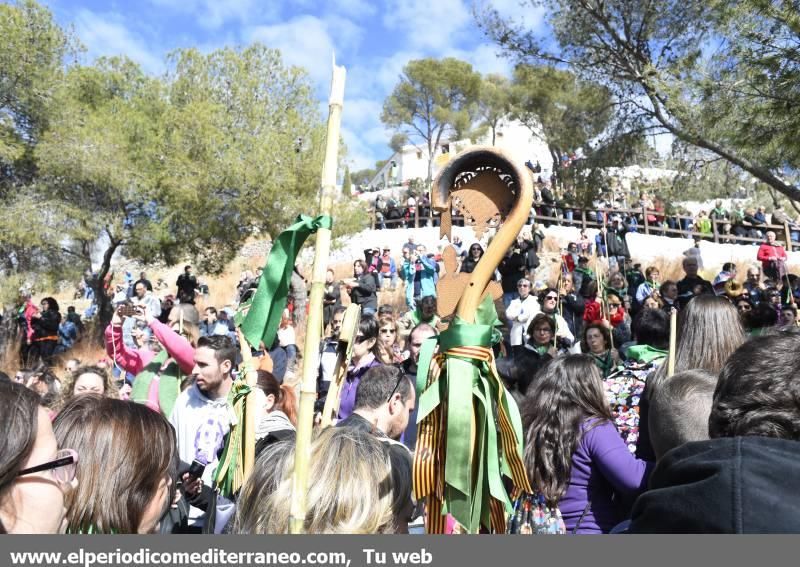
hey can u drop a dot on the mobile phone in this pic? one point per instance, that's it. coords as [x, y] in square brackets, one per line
[128, 310]
[196, 469]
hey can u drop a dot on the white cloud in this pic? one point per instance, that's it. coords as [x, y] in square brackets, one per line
[307, 41]
[107, 35]
[427, 24]
[522, 12]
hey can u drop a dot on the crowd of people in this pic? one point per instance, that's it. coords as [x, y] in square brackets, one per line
[612, 442]
[618, 212]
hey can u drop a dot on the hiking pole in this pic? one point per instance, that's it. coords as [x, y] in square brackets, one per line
[308, 391]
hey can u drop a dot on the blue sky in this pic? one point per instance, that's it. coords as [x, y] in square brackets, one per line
[372, 39]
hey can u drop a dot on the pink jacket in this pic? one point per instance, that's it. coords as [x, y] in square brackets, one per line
[135, 360]
[30, 309]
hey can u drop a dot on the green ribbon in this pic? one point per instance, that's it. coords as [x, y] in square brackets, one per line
[259, 317]
[468, 383]
[225, 476]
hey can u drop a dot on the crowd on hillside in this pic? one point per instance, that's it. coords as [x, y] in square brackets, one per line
[617, 211]
[612, 442]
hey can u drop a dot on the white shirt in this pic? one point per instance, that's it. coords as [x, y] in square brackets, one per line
[521, 312]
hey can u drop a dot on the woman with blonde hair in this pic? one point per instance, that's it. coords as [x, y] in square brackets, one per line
[388, 343]
[349, 487]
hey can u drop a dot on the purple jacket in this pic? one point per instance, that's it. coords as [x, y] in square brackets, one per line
[601, 465]
[347, 397]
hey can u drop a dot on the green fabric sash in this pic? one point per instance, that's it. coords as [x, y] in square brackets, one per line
[472, 472]
[229, 475]
[260, 317]
[169, 384]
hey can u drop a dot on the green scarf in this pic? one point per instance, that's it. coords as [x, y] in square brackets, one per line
[416, 318]
[260, 316]
[604, 362]
[169, 383]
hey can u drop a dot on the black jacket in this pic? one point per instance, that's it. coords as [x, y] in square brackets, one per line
[617, 245]
[511, 269]
[363, 293]
[729, 485]
[46, 325]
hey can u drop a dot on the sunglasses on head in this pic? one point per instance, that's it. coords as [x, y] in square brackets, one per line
[400, 377]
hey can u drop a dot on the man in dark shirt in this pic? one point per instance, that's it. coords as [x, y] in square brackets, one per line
[692, 284]
[187, 285]
[385, 400]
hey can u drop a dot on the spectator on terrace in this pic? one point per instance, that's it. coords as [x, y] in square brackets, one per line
[772, 257]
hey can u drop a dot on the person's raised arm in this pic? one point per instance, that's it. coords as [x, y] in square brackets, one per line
[130, 360]
[177, 346]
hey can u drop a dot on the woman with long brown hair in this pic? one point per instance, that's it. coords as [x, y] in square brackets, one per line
[127, 468]
[573, 453]
[709, 330]
[277, 419]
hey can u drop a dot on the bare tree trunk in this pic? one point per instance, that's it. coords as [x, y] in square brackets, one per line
[105, 310]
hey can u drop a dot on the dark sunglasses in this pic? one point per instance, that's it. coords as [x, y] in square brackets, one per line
[614, 304]
[63, 466]
[553, 297]
[388, 331]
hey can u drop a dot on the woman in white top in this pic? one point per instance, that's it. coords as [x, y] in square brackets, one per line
[520, 312]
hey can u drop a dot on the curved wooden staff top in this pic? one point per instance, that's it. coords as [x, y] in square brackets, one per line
[487, 161]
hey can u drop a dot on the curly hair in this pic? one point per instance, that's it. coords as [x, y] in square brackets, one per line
[757, 393]
[566, 393]
[110, 389]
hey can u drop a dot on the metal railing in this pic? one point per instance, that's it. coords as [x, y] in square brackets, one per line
[664, 225]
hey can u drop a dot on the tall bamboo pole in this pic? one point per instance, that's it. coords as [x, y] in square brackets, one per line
[249, 408]
[673, 342]
[308, 391]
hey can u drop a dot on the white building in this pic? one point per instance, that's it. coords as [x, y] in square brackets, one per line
[411, 162]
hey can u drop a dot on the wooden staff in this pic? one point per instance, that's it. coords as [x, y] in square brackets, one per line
[249, 408]
[308, 391]
[347, 334]
[505, 237]
[673, 334]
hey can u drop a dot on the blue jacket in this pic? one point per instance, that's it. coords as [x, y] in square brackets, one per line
[427, 281]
